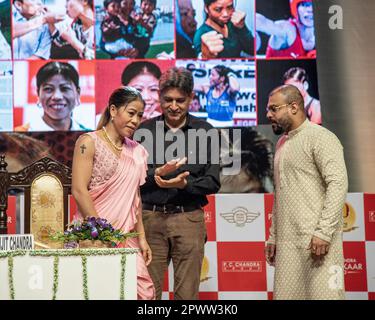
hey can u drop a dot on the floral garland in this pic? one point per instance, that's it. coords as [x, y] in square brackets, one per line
[81, 252]
[10, 255]
[84, 278]
[84, 253]
[55, 276]
[10, 277]
[7, 254]
[122, 286]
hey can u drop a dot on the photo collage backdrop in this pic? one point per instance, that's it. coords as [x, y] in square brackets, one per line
[81, 50]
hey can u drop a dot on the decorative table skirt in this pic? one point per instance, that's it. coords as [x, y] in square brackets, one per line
[69, 274]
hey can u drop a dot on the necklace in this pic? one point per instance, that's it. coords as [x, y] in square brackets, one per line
[110, 140]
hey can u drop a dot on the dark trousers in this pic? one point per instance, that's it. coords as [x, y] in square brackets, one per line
[179, 237]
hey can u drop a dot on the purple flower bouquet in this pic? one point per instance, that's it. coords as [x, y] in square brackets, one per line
[91, 232]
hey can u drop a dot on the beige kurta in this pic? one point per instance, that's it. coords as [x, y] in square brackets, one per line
[310, 189]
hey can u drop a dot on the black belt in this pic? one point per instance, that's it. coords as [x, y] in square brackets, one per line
[170, 208]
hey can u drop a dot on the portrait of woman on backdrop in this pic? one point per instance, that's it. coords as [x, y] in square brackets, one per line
[58, 95]
[144, 76]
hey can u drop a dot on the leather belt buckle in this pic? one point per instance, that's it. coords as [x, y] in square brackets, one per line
[171, 209]
[168, 208]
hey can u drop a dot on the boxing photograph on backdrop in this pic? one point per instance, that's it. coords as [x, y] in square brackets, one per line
[254, 149]
[5, 33]
[134, 29]
[6, 96]
[57, 29]
[225, 93]
[57, 96]
[211, 29]
[285, 29]
[299, 73]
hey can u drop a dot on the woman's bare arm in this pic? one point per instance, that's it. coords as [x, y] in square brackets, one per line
[83, 159]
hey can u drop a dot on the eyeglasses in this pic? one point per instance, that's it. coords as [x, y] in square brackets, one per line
[273, 108]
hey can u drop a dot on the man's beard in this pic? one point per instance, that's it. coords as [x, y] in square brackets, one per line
[277, 129]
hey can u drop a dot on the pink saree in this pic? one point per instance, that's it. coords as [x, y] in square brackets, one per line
[114, 190]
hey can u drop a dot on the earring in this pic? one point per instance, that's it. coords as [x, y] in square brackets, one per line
[112, 119]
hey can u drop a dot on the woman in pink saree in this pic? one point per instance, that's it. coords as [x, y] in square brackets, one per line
[108, 168]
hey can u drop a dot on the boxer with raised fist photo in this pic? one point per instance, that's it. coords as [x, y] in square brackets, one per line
[224, 33]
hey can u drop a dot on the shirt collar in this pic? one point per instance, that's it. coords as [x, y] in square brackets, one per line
[187, 125]
[17, 16]
[304, 125]
[37, 124]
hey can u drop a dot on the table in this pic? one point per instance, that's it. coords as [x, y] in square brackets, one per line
[68, 274]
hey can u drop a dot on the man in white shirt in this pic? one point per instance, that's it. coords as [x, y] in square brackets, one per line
[31, 35]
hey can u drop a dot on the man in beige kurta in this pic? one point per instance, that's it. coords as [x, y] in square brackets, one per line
[305, 243]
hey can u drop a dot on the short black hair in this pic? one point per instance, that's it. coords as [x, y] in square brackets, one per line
[153, 2]
[223, 71]
[208, 2]
[90, 3]
[52, 68]
[297, 74]
[107, 2]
